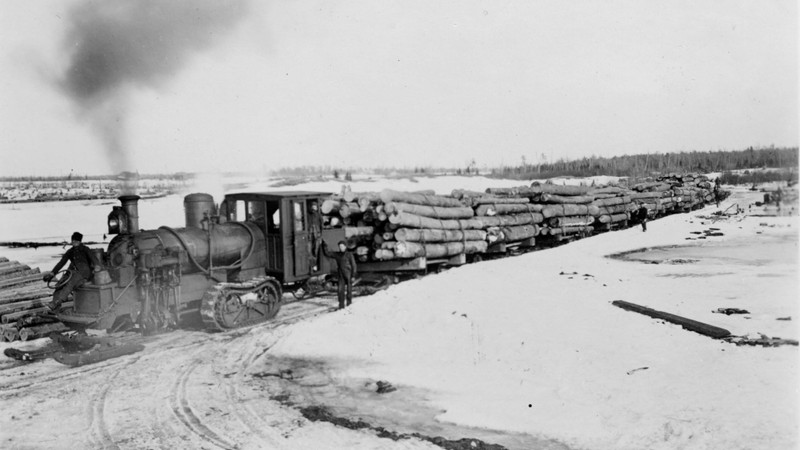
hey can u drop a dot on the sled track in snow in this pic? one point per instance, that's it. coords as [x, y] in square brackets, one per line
[179, 402]
[99, 435]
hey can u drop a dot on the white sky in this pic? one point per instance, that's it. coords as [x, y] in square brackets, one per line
[407, 83]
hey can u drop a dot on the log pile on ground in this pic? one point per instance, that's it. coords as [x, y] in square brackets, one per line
[389, 224]
[23, 296]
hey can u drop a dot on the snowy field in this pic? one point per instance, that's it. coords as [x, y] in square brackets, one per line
[528, 351]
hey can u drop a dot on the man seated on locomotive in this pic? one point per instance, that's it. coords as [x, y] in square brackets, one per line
[81, 267]
[346, 270]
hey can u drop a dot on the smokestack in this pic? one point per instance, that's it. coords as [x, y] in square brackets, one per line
[130, 204]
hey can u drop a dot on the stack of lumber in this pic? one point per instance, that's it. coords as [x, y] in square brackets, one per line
[23, 296]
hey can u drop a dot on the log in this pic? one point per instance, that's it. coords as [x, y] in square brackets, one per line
[569, 221]
[384, 254]
[511, 220]
[388, 195]
[496, 209]
[569, 210]
[608, 190]
[562, 199]
[438, 212]
[10, 334]
[404, 219]
[545, 188]
[349, 209]
[616, 209]
[13, 268]
[567, 230]
[23, 305]
[358, 231]
[330, 206]
[512, 234]
[35, 292]
[34, 275]
[687, 324]
[613, 218]
[367, 199]
[38, 331]
[645, 195]
[13, 317]
[438, 235]
[465, 193]
[414, 250]
[611, 201]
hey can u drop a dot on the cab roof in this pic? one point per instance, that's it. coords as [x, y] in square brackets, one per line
[280, 194]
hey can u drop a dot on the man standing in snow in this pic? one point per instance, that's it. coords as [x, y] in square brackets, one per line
[641, 216]
[345, 268]
[80, 269]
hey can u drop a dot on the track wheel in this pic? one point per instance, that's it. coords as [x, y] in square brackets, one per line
[238, 306]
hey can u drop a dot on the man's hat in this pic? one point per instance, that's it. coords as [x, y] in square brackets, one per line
[77, 236]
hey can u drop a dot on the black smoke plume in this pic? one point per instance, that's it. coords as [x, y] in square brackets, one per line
[115, 45]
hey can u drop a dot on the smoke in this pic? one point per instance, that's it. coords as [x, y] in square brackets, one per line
[116, 45]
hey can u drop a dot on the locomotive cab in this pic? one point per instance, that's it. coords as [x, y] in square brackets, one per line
[293, 230]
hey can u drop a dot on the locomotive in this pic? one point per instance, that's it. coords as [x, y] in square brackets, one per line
[230, 263]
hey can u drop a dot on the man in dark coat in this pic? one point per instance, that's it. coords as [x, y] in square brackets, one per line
[345, 268]
[80, 269]
[641, 216]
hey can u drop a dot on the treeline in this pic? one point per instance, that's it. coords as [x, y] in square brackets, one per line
[648, 164]
[758, 176]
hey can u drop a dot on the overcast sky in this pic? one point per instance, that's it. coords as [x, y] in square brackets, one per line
[103, 86]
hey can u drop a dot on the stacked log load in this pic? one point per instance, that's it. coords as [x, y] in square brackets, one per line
[566, 210]
[23, 296]
[390, 224]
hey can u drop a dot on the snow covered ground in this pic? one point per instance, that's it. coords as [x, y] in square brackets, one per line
[530, 346]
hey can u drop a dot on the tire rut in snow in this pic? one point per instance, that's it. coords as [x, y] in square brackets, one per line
[99, 436]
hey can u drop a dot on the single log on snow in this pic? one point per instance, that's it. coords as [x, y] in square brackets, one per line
[414, 249]
[688, 324]
[433, 235]
[388, 195]
[438, 212]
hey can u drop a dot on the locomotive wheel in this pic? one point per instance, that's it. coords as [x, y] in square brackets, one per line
[235, 305]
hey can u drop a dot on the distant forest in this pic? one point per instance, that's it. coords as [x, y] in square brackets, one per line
[644, 165]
